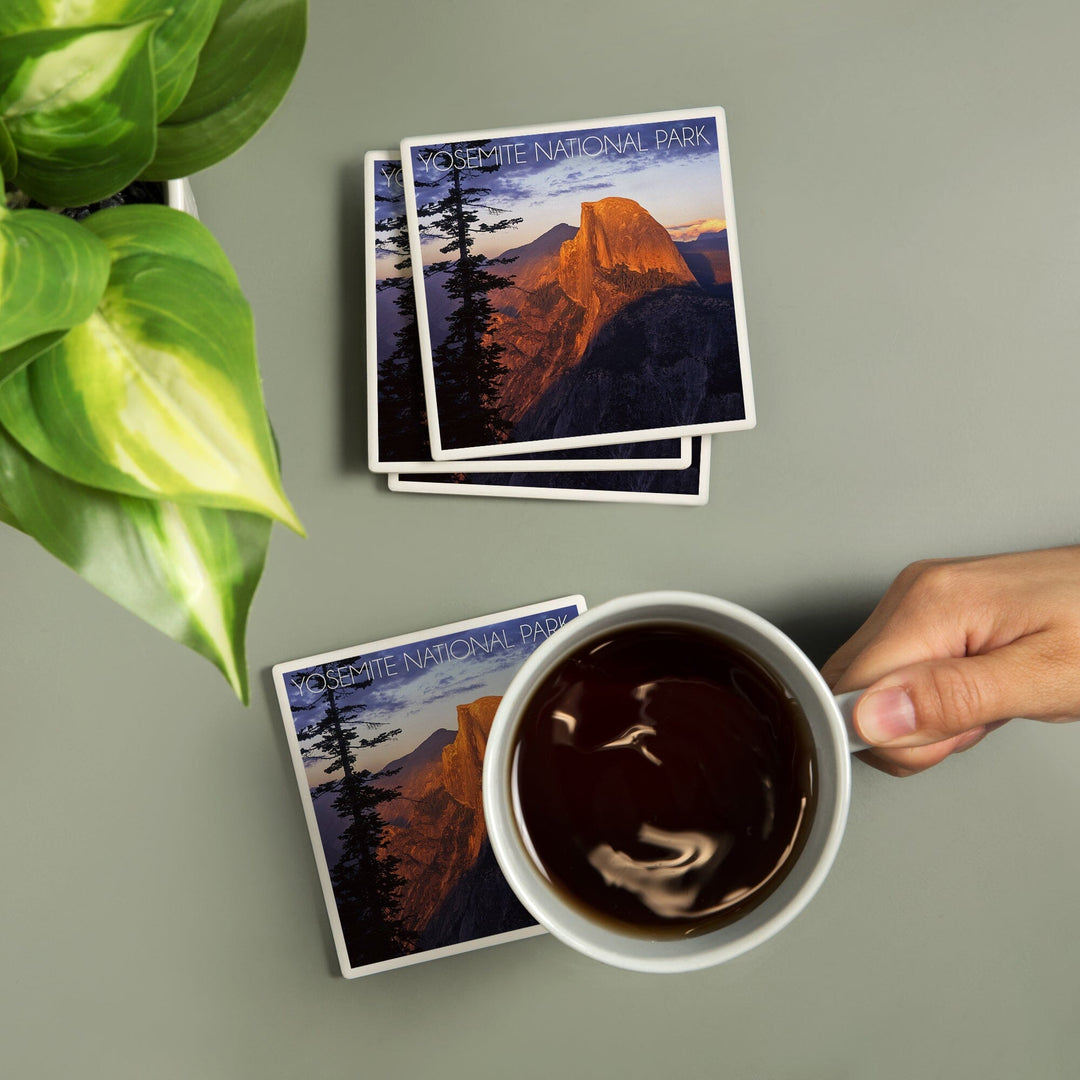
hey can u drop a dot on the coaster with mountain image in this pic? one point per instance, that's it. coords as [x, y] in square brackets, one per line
[397, 421]
[577, 284]
[387, 743]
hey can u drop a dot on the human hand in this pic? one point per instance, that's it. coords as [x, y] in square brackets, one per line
[957, 647]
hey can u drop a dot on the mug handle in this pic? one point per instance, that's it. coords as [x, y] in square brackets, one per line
[846, 704]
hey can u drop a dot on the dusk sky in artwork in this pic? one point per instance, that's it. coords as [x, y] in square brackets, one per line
[421, 694]
[671, 168]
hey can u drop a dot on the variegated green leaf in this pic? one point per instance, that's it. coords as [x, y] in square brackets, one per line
[53, 272]
[19, 15]
[157, 394]
[7, 515]
[187, 570]
[79, 106]
[14, 359]
[9, 157]
[146, 229]
[244, 71]
[176, 44]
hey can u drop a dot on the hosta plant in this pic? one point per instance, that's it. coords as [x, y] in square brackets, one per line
[134, 442]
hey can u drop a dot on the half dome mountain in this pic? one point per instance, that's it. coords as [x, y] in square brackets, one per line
[545, 322]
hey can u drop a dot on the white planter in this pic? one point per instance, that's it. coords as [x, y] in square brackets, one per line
[178, 194]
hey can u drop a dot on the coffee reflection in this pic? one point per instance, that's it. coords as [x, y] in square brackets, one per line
[663, 779]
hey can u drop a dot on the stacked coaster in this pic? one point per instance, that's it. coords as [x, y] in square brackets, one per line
[556, 312]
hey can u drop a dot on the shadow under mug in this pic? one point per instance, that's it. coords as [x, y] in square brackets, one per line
[834, 741]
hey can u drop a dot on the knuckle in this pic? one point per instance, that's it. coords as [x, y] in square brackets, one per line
[939, 579]
[914, 572]
[952, 701]
[949, 599]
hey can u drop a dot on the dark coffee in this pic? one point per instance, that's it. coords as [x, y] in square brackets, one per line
[665, 779]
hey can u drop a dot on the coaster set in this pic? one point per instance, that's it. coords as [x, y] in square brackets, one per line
[556, 311]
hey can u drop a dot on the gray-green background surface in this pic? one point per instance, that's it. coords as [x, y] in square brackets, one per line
[907, 180]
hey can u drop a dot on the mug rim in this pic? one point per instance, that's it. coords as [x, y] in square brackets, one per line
[635, 951]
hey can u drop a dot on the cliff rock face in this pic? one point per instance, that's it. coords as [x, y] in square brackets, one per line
[617, 255]
[667, 359]
[533, 264]
[463, 759]
[616, 232]
[481, 903]
[436, 828]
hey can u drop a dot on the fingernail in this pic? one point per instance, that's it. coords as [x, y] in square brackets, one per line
[886, 715]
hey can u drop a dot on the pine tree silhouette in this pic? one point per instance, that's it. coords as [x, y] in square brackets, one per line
[403, 434]
[367, 885]
[467, 364]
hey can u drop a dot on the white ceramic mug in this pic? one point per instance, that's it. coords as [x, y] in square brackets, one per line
[834, 740]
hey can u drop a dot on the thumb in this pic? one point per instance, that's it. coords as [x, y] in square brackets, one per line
[938, 699]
